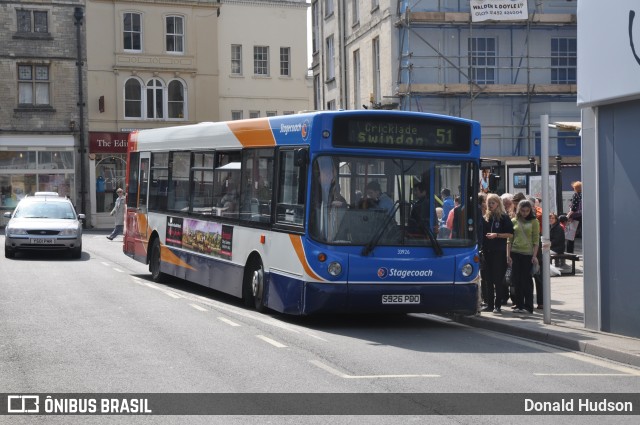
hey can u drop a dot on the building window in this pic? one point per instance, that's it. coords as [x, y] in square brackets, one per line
[175, 99]
[356, 79]
[328, 8]
[236, 59]
[155, 99]
[132, 99]
[355, 12]
[175, 34]
[254, 114]
[482, 60]
[331, 105]
[330, 71]
[287, 113]
[316, 92]
[272, 113]
[132, 31]
[285, 61]
[261, 60]
[236, 115]
[32, 21]
[375, 49]
[315, 14]
[375, 4]
[33, 85]
[563, 60]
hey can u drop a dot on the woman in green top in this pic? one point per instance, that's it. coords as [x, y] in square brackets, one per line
[522, 254]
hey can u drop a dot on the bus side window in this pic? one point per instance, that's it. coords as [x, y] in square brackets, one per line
[291, 189]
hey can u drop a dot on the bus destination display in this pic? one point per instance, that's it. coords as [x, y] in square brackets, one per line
[393, 133]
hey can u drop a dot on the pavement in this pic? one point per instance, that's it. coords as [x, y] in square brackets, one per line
[567, 328]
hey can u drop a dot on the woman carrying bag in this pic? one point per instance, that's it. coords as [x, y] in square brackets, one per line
[522, 254]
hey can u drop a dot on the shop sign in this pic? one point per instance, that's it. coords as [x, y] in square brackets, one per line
[103, 142]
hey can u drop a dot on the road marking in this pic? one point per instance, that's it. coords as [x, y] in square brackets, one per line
[582, 374]
[271, 341]
[118, 270]
[197, 307]
[105, 264]
[345, 376]
[315, 336]
[227, 321]
[151, 285]
[171, 294]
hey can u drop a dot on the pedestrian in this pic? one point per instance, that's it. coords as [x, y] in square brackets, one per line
[575, 213]
[498, 228]
[537, 277]
[507, 203]
[118, 213]
[523, 255]
[556, 235]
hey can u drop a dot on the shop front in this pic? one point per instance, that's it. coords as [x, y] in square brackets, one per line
[107, 162]
[35, 163]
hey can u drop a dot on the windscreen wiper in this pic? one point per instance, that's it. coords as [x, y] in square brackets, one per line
[434, 241]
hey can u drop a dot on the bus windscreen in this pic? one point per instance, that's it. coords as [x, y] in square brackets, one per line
[385, 132]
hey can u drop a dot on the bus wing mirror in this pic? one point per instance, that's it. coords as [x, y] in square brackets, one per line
[301, 157]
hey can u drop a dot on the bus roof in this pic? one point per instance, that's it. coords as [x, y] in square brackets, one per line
[271, 131]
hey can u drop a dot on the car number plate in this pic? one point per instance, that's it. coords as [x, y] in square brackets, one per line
[41, 241]
[401, 299]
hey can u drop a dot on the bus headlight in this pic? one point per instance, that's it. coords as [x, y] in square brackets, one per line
[334, 268]
[467, 269]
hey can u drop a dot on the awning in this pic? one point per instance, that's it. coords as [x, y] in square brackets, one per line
[566, 125]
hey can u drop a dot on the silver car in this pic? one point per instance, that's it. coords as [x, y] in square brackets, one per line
[44, 222]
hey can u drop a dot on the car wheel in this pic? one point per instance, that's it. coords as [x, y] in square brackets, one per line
[76, 252]
[9, 253]
[154, 262]
[254, 286]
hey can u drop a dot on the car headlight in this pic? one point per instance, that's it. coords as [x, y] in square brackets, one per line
[467, 269]
[334, 268]
[69, 232]
[15, 231]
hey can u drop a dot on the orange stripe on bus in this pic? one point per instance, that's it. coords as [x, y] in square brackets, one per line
[296, 241]
[256, 132]
[168, 256]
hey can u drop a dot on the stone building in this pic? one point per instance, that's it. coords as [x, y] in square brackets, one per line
[42, 121]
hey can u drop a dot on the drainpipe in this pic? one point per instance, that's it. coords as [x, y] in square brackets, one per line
[78, 15]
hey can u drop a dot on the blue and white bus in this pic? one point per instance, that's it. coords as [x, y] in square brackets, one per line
[321, 212]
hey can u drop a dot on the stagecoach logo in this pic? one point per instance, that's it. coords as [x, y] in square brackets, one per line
[302, 128]
[383, 272]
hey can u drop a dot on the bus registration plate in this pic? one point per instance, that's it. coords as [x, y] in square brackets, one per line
[42, 241]
[401, 299]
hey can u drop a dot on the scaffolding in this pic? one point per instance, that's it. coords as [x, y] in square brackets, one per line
[440, 68]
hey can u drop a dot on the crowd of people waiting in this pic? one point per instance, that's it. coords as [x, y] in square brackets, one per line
[511, 253]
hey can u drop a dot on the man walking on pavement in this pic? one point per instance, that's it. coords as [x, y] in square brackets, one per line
[118, 213]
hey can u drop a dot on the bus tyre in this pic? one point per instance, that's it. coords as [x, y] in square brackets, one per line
[254, 286]
[154, 262]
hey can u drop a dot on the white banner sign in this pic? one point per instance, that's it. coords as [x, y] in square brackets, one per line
[498, 10]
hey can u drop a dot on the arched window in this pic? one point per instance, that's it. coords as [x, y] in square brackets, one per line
[155, 99]
[132, 99]
[176, 97]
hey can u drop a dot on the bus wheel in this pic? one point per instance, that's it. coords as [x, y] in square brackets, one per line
[154, 262]
[254, 286]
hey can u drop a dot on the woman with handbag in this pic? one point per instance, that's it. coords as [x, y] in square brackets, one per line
[522, 252]
[575, 213]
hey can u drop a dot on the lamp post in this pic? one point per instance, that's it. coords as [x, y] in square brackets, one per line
[78, 15]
